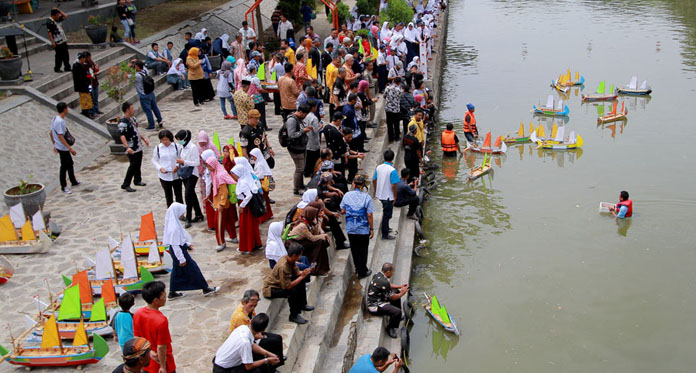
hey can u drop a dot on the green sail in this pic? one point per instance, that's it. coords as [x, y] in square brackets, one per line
[70, 307]
[444, 315]
[67, 281]
[98, 311]
[600, 110]
[612, 89]
[600, 89]
[435, 306]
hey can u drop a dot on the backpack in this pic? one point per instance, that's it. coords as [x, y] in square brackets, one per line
[257, 205]
[148, 83]
[283, 137]
[288, 224]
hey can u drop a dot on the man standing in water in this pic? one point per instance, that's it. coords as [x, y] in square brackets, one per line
[623, 209]
[470, 129]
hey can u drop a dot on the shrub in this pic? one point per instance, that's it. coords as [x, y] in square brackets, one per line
[5, 52]
[117, 82]
[397, 11]
[343, 13]
[291, 9]
[368, 7]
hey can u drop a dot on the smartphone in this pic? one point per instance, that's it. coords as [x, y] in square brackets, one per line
[313, 265]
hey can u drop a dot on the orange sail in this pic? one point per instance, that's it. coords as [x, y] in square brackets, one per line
[80, 278]
[499, 142]
[487, 141]
[147, 228]
[108, 293]
[613, 111]
[622, 106]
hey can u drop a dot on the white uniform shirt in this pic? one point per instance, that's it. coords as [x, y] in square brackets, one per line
[190, 156]
[236, 350]
[165, 157]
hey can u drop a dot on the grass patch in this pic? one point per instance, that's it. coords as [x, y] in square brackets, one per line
[154, 19]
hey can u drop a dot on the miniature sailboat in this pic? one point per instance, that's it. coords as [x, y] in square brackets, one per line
[70, 312]
[633, 89]
[550, 109]
[613, 115]
[155, 262]
[565, 80]
[18, 235]
[148, 234]
[130, 280]
[498, 148]
[440, 315]
[559, 142]
[51, 352]
[481, 170]
[600, 94]
[519, 137]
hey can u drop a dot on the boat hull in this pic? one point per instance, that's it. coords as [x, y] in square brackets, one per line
[477, 172]
[452, 329]
[517, 140]
[551, 112]
[611, 118]
[634, 92]
[19, 247]
[85, 357]
[143, 248]
[591, 98]
[66, 329]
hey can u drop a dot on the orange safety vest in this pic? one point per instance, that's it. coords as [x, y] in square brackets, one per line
[470, 127]
[447, 141]
[628, 203]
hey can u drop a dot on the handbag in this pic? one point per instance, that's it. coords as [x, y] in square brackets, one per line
[271, 184]
[265, 183]
[257, 205]
[130, 21]
[232, 189]
[69, 138]
[184, 172]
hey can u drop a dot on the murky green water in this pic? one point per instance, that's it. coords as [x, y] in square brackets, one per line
[537, 280]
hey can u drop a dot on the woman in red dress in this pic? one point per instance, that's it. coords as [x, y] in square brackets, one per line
[221, 202]
[249, 235]
[263, 172]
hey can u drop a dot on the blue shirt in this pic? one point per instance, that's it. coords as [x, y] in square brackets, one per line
[357, 205]
[123, 325]
[364, 365]
[622, 212]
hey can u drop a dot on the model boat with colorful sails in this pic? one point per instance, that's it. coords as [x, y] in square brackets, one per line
[485, 147]
[147, 235]
[130, 279]
[559, 141]
[519, 137]
[614, 115]
[440, 315]
[557, 109]
[601, 95]
[481, 170]
[633, 89]
[565, 81]
[19, 235]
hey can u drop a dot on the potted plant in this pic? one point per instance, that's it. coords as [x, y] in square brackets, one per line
[117, 82]
[96, 30]
[10, 65]
[31, 195]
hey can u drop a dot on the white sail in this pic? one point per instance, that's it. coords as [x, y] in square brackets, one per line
[112, 243]
[17, 215]
[40, 306]
[559, 105]
[549, 102]
[503, 147]
[572, 139]
[153, 255]
[29, 322]
[128, 261]
[37, 221]
[644, 85]
[104, 268]
[560, 134]
[533, 137]
[634, 82]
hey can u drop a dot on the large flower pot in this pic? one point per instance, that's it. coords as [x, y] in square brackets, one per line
[112, 127]
[11, 68]
[31, 202]
[97, 34]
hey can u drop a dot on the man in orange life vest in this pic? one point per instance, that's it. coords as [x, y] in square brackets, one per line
[450, 142]
[623, 209]
[470, 129]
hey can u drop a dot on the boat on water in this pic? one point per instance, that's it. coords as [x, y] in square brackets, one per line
[558, 109]
[19, 235]
[519, 137]
[440, 315]
[614, 115]
[481, 170]
[633, 89]
[600, 94]
[485, 147]
[565, 81]
[559, 141]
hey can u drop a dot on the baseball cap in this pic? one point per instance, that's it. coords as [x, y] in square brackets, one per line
[255, 53]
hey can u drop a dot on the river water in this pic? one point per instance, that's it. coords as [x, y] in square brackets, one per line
[536, 278]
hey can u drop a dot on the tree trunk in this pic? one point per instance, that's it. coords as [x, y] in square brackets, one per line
[259, 29]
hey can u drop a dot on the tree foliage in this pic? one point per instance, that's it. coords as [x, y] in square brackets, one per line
[343, 13]
[368, 7]
[397, 11]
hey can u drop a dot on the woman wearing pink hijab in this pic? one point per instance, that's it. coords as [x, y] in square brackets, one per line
[239, 73]
[203, 145]
[221, 203]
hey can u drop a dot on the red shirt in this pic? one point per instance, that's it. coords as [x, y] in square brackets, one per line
[154, 326]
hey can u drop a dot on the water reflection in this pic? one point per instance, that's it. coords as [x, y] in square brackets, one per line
[620, 125]
[442, 341]
[623, 225]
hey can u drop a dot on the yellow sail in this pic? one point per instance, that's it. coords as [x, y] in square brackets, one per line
[520, 133]
[80, 336]
[28, 232]
[50, 336]
[554, 129]
[531, 127]
[577, 76]
[568, 75]
[7, 230]
[540, 131]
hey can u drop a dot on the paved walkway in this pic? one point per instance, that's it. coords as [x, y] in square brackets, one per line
[99, 209]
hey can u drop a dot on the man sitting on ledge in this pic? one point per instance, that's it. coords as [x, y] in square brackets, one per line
[286, 281]
[379, 361]
[384, 298]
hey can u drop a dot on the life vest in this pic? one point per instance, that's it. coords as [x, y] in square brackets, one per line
[628, 203]
[447, 140]
[470, 127]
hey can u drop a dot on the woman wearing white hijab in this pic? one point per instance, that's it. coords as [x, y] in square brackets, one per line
[176, 75]
[385, 33]
[185, 272]
[264, 174]
[249, 235]
[410, 35]
[201, 35]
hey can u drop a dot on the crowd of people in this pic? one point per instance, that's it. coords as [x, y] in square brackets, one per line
[326, 92]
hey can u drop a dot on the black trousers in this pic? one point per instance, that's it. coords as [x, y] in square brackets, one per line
[393, 126]
[393, 310]
[261, 107]
[413, 167]
[285, 113]
[197, 90]
[62, 57]
[337, 232]
[412, 203]
[66, 166]
[172, 189]
[276, 104]
[359, 244]
[191, 198]
[297, 297]
[133, 172]
[358, 143]
[311, 157]
[382, 77]
[272, 343]
[352, 169]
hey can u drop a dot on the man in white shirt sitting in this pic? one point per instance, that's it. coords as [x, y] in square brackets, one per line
[236, 353]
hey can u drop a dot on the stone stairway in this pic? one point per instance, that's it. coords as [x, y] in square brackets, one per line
[33, 45]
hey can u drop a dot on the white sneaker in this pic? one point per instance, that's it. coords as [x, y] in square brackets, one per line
[232, 240]
[215, 291]
[220, 247]
[67, 190]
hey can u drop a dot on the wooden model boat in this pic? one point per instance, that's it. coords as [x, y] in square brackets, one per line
[519, 137]
[70, 316]
[147, 235]
[600, 94]
[155, 262]
[18, 235]
[6, 270]
[633, 89]
[559, 142]
[565, 81]
[498, 148]
[481, 170]
[131, 279]
[557, 110]
[440, 315]
[613, 115]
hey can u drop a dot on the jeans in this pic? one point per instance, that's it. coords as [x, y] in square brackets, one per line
[133, 172]
[62, 57]
[191, 198]
[387, 210]
[149, 104]
[222, 106]
[95, 99]
[172, 189]
[176, 81]
[298, 176]
[159, 66]
[66, 166]
[126, 28]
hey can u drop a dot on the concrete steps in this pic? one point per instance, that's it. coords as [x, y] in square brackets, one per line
[112, 109]
[34, 45]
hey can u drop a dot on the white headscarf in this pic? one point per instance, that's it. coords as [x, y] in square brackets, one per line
[414, 62]
[261, 168]
[309, 196]
[385, 33]
[275, 249]
[174, 232]
[174, 69]
[225, 41]
[410, 34]
[206, 174]
[201, 35]
[246, 182]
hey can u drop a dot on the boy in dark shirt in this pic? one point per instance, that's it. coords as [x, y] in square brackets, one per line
[406, 194]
